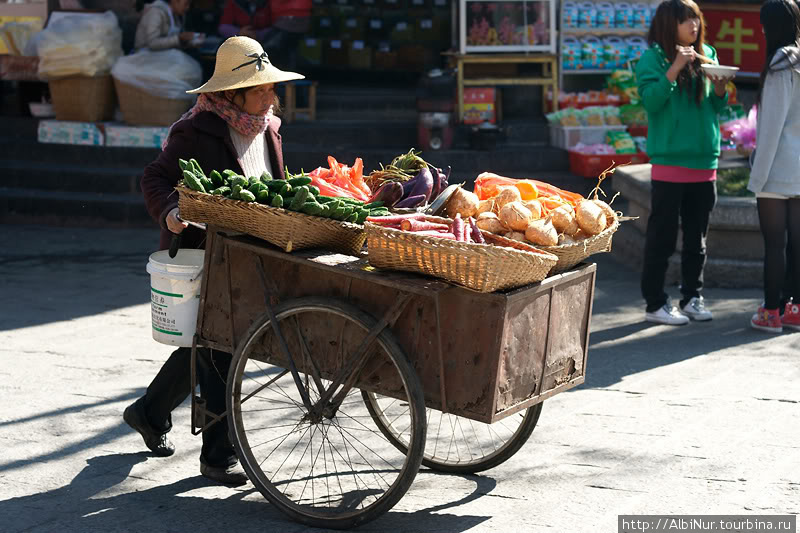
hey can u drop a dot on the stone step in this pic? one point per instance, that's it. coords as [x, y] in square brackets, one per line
[72, 208]
[38, 175]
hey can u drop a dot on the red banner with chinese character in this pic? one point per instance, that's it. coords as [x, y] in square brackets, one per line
[735, 31]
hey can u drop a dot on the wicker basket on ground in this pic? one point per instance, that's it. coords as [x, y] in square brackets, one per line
[140, 108]
[83, 98]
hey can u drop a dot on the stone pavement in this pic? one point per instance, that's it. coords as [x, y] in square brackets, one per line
[696, 419]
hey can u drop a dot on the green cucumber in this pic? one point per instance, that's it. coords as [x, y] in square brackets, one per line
[299, 198]
[314, 190]
[247, 196]
[197, 170]
[297, 182]
[262, 196]
[183, 164]
[312, 208]
[216, 178]
[352, 218]
[207, 184]
[192, 181]
[373, 205]
[221, 191]
[266, 176]
[277, 201]
[274, 185]
[241, 181]
[285, 189]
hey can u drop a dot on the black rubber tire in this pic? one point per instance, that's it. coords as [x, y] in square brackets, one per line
[319, 516]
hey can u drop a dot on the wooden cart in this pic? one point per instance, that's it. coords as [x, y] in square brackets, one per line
[345, 379]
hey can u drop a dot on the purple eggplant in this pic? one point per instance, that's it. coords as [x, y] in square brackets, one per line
[423, 185]
[410, 184]
[411, 201]
[389, 193]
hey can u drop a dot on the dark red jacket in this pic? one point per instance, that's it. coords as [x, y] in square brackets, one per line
[204, 137]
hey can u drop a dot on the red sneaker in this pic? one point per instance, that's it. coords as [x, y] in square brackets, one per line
[791, 316]
[767, 320]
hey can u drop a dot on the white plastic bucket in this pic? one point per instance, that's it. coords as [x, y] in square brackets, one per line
[175, 295]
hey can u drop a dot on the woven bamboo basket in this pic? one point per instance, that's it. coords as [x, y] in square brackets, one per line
[286, 229]
[141, 108]
[83, 98]
[570, 255]
[503, 264]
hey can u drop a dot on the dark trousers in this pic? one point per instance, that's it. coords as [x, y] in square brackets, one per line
[674, 205]
[173, 384]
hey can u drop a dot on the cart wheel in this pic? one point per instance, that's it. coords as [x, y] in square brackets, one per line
[456, 444]
[334, 470]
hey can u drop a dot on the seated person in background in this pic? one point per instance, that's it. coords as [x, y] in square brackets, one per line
[161, 24]
[249, 18]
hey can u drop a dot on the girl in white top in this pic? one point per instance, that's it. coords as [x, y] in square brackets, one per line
[775, 176]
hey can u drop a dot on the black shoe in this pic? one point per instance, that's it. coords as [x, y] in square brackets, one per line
[227, 475]
[158, 443]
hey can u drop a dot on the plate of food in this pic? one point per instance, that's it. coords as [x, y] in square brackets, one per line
[719, 71]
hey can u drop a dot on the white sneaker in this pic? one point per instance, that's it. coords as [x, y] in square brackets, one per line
[696, 310]
[668, 314]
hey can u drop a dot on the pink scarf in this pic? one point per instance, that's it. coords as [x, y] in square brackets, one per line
[245, 123]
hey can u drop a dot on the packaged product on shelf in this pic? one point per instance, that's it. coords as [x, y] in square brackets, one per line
[623, 15]
[587, 15]
[611, 116]
[594, 116]
[621, 141]
[569, 14]
[633, 115]
[636, 47]
[641, 15]
[605, 15]
[623, 83]
[591, 52]
[571, 53]
[615, 51]
[594, 149]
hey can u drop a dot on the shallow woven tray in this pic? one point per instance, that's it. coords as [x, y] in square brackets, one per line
[570, 255]
[505, 264]
[286, 229]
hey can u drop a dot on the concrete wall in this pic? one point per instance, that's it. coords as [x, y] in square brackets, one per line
[735, 246]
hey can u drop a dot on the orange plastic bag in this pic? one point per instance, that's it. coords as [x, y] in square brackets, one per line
[487, 185]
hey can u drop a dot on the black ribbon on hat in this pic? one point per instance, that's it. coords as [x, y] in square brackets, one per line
[259, 60]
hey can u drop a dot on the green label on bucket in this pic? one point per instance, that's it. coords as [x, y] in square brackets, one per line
[177, 333]
[166, 293]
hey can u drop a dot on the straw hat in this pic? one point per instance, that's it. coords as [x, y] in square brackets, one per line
[242, 62]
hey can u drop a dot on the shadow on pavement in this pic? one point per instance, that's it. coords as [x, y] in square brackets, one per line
[91, 503]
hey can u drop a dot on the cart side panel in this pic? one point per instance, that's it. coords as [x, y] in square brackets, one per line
[569, 331]
[523, 349]
[471, 324]
[215, 325]
[548, 328]
[415, 329]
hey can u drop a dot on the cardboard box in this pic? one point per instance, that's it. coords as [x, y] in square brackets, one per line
[62, 132]
[135, 136]
[480, 105]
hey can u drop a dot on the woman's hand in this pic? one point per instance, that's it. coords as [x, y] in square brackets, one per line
[185, 36]
[684, 56]
[720, 84]
[174, 222]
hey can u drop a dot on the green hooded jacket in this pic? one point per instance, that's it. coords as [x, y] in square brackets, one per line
[680, 132]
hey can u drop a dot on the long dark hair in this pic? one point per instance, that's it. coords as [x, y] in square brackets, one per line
[781, 22]
[664, 32]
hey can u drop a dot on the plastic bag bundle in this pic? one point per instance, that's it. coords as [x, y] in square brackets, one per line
[17, 35]
[80, 45]
[163, 73]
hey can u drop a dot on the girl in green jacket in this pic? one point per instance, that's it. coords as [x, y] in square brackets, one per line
[683, 145]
